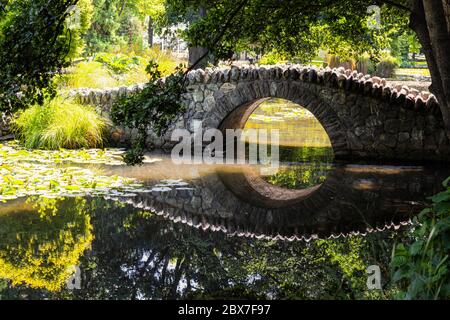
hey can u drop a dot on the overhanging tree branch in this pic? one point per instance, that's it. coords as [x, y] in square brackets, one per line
[219, 36]
[395, 4]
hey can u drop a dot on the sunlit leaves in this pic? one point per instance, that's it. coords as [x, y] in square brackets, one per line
[295, 29]
[33, 47]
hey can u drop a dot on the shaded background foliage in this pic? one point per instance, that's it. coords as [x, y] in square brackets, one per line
[34, 45]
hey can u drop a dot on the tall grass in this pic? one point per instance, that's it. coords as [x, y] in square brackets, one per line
[60, 124]
[166, 61]
[85, 74]
[386, 66]
[335, 61]
[364, 64]
[109, 70]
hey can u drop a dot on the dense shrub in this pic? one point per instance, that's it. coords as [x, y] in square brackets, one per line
[60, 124]
[422, 267]
[365, 64]
[34, 46]
[102, 34]
[272, 58]
[386, 66]
[156, 106]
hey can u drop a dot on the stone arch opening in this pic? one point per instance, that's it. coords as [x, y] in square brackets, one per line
[299, 127]
[234, 106]
[267, 191]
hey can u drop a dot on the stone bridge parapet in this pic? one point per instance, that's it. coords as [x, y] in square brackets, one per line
[364, 116]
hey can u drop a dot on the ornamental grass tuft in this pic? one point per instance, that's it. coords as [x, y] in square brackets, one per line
[60, 124]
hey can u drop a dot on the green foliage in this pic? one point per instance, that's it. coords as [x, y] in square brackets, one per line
[118, 63]
[386, 66]
[115, 70]
[422, 267]
[292, 28]
[78, 23]
[312, 170]
[167, 63]
[300, 176]
[154, 107]
[91, 74]
[60, 124]
[271, 58]
[34, 45]
[131, 30]
[347, 256]
[404, 42]
[102, 35]
[119, 24]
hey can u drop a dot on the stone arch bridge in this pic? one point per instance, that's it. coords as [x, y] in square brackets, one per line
[364, 116]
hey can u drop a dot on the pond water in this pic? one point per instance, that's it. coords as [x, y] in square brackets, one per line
[165, 231]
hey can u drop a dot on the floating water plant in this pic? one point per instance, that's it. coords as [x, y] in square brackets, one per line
[51, 174]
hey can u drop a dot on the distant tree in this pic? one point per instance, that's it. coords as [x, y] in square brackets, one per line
[78, 24]
[104, 27]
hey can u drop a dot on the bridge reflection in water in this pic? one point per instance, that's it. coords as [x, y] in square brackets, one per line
[240, 202]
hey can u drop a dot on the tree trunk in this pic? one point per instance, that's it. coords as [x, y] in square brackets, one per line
[198, 55]
[150, 31]
[431, 21]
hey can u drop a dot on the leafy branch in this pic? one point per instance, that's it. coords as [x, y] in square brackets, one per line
[421, 268]
[154, 107]
[158, 104]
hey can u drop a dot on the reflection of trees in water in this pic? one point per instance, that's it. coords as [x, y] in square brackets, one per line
[136, 254]
[184, 262]
[139, 255]
[300, 176]
[311, 168]
[306, 154]
[40, 247]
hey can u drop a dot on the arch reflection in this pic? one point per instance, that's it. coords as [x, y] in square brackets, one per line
[353, 198]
